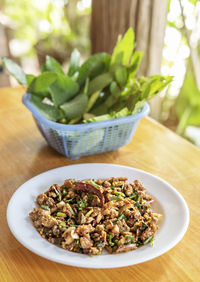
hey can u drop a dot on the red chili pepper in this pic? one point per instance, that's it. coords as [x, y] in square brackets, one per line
[86, 187]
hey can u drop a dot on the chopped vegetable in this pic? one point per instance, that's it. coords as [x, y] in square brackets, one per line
[150, 239]
[82, 204]
[110, 237]
[100, 244]
[119, 194]
[57, 193]
[131, 241]
[78, 243]
[45, 207]
[70, 208]
[62, 224]
[89, 213]
[89, 228]
[64, 191]
[68, 200]
[61, 214]
[86, 187]
[122, 216]
[133, 196]
[91, 182]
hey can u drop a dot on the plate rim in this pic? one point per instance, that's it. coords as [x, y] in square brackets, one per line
[93, 266]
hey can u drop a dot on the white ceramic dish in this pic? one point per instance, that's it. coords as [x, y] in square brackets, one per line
[169, 202]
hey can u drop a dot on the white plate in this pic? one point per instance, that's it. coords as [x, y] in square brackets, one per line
[169, 202]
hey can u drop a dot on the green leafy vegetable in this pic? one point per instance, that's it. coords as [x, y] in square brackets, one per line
[51, 65]
[15, 70]
[123, 49]
[99, 82]
[74, 62]
[104, 87]
[40, 84]
[29, 78]
[75, 107]
[50, 112]
[94, 66]
[63, 89]
[121, 75]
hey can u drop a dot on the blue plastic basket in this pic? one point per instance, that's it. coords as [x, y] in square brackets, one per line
[78, 140]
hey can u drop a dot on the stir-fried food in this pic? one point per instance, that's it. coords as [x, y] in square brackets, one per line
[88, 216]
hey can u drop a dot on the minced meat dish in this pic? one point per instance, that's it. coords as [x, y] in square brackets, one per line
[88, 216]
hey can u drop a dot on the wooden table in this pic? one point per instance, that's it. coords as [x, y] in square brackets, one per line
[24, 154]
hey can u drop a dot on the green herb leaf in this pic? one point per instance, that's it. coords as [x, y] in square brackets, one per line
[15, 70]
[123, 49]
[82, 204]
[130, 239]
[51, 65]
[121, 75]
[110, 237]
[74, 62]
[50, 112]
[119, 194]
[121, 216]
[133, 196]
[63, 89]
[93, 183]
[68, 200]
[29, 78]
[70, 208]
[64, 191]
[40, 84]
[100, 244]
[94, 66]
[92, 100]
[135, 63]
[78, 243]
[150, 239]
[99, 83]
[76, 107]
[62, 224]
[115, 90]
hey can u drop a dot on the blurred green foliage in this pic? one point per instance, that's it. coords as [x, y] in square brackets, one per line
[56, 26]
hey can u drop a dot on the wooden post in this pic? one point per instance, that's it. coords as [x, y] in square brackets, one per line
[148, 19]
[4, 78]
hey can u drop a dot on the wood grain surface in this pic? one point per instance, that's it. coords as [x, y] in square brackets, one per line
[24, 154]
